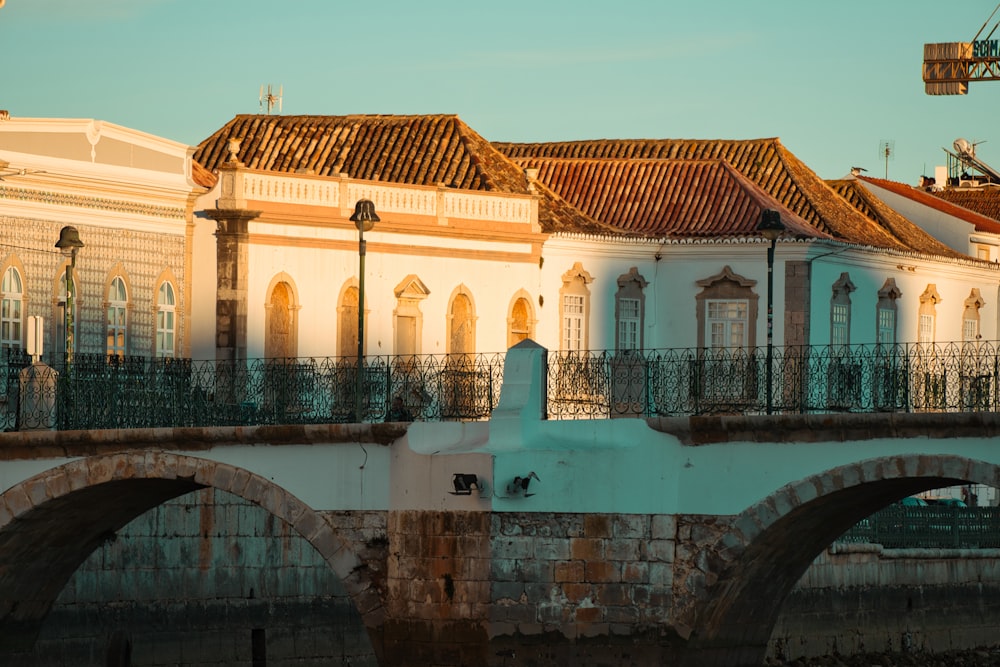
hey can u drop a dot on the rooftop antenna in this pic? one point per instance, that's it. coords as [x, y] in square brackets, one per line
[270, 99]
[886, 151]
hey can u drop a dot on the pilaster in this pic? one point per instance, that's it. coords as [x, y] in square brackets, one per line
[231, 304]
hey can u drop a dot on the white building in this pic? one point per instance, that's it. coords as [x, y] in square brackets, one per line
[570, 244]
[130, 196]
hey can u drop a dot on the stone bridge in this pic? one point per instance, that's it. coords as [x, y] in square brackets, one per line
[668, 541]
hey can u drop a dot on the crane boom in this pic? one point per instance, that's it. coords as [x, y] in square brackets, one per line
[950, 67]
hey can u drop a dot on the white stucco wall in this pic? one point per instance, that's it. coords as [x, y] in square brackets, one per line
[868, 270]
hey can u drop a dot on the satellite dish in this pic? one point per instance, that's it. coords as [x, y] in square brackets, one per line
[964, 148]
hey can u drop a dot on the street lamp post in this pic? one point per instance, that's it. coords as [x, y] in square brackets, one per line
[69, 242]
[364, 219]
[771, 227]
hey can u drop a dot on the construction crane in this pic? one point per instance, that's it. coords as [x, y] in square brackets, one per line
[950, 66]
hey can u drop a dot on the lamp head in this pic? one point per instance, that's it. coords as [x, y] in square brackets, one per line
[364, 217]
[770, 225]
[465, 483]
[69, 240]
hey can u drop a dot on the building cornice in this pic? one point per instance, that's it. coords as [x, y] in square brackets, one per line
[755, 240]
[94, 203]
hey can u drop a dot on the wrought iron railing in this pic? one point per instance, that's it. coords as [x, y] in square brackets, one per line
[98, 392]
[132, 392]
[958, 377]
[929, 527]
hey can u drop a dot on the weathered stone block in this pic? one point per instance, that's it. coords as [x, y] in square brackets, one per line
[552, 548]
[577, 592]
[601, 571]
[571, 571]
[519, 613]
[613, 595]
[662, 551]
[586, 548]
[631, 526]
[513, 547]
[635, 572]
[554, 614]
[507, 590]
[536, 570]
[598, 526]
[622, 549]
[663, 527]
[504, 569]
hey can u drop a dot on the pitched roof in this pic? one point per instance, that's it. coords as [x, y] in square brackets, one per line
[983, 201]
[657, 198]
[416, 150]
[981, 222]
[887, 218]
[768, 164]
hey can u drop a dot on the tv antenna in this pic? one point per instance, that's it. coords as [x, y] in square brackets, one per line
[886, 152]
[270, 99]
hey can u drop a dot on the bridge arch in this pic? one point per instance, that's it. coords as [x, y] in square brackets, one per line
[764, 551]
[50, 523]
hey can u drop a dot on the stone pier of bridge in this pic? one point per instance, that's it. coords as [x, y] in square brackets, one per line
[590, 542]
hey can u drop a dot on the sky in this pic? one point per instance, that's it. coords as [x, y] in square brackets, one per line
[836, 81]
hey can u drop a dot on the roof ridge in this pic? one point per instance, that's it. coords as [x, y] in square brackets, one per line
[981, 222]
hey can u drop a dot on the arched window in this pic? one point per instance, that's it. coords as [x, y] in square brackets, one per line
[347, 323]
[574, 306]
[630, 307]
[461, 325]
[840, 311]
[281, 319]
[117, 322]
[521, 321]
[727, 311]
[885, 313]
[11, 310]
[970, 318]
[408, 319]
[166, 327]
[927, 323]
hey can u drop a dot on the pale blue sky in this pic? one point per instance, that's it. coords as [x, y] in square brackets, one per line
[833, 80]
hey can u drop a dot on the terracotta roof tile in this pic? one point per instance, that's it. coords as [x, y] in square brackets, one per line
[698, 198]
[983, 201]
[418, 150]
[202, 176]
[415, 150]
[885, 217]
[942, 204]
[769, 165]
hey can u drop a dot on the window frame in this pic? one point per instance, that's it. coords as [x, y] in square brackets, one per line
[166, 320]
[11, 323]
[116, 317]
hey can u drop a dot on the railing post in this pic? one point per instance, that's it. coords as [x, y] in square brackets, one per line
[525, 382]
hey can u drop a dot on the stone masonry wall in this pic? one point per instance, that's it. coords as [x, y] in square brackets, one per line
[552, 589]
[208, 580]
[863, 598]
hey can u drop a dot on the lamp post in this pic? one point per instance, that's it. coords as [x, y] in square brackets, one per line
[771, 227]
[364, 219]
[69, 242]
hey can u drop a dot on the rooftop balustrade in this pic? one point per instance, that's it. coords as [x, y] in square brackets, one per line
[98, 392]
